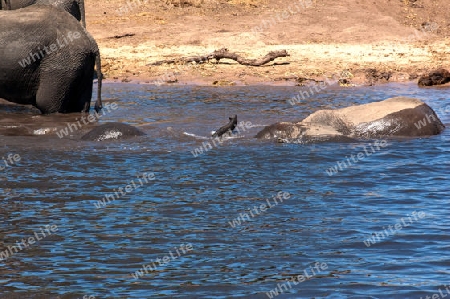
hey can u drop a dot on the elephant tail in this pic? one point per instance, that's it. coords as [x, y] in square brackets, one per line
[98, 66]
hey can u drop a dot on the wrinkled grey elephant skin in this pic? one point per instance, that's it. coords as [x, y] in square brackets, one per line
[112, 131]
[402, 124]
[395, 117]
[74, 7]
[47, 60]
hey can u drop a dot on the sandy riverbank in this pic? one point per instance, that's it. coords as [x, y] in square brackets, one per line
[367, 43]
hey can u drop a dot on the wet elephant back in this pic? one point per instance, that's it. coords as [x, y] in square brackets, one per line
[16, 4]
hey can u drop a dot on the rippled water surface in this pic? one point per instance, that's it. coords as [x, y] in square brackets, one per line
[316, 230]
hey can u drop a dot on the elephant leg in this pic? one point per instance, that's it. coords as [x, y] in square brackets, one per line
[85, 96]
[82, 88]
[66, 91]
[51, 94]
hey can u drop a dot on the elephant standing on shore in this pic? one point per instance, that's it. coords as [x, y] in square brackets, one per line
[74, 7]
[47, 60]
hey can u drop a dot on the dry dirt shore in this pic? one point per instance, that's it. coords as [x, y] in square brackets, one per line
[363, 41]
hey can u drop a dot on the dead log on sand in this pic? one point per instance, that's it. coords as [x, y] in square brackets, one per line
[224, 53]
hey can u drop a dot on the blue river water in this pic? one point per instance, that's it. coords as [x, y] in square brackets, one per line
[243, 219]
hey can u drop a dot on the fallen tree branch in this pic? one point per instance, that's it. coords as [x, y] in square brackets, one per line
[123, 35]
[224, 53]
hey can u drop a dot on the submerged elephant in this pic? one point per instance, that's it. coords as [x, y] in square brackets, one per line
[47, 60]
[74, 7]
[110, 131]
[394, 117]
